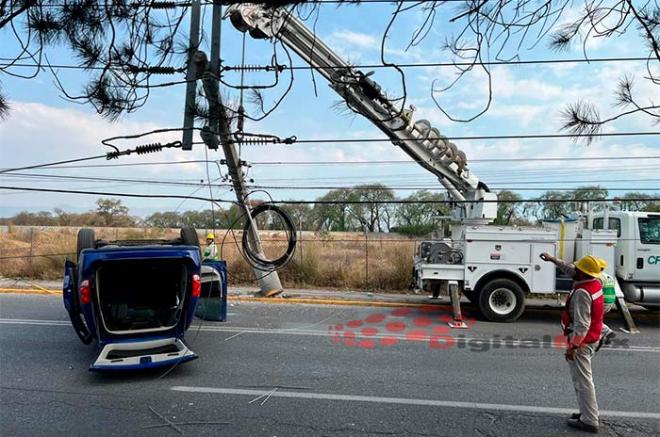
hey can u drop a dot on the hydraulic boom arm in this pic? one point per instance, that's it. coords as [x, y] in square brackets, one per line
[418, 139]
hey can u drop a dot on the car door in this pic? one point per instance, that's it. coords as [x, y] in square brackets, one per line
[72, 302]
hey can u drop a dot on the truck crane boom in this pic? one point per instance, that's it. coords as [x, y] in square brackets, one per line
[422, 142]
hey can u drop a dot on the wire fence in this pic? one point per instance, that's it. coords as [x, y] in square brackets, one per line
[341, 260]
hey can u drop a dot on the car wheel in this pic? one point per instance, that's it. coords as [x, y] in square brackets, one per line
[502, 300]
[189, 236]
[86, 240]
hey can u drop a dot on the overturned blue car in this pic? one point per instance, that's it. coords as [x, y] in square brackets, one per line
[136, 298]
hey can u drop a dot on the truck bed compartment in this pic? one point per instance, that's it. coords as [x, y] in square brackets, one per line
[138, 295]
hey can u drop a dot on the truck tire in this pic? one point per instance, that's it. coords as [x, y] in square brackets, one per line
[85, 240]
[189, 236]
[502, 300]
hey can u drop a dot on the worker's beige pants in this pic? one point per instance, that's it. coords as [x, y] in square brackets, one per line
[584, 384]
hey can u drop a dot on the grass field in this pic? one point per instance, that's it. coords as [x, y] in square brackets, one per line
[323, 260]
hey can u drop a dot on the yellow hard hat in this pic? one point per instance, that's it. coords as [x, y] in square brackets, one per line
[589, 265]
[210, 236]
[602, 263]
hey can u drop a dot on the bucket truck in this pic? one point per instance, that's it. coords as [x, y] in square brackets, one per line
[494, 266]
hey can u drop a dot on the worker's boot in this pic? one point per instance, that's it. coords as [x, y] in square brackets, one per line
[579, 424]
[605, 339]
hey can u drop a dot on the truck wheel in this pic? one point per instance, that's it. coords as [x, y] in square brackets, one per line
[86, 240]
[502, 300]
[189, 236]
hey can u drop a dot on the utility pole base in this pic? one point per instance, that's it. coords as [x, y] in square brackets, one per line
[269, 285]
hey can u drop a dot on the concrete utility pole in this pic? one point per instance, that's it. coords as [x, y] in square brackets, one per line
[219, 126]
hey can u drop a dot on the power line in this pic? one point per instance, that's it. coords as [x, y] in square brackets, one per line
[30, 167]
[319, 202]
[412, 161]
[67, 178]
[479, 137]
[522, 62]
[493, 176]
[140, 150]
[133, 164]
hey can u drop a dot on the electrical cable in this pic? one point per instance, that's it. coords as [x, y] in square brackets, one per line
[48, 164]
[140, 150]
[255, 259]
[475, 137]
[412, 161]
[319, 202]
[530, 62]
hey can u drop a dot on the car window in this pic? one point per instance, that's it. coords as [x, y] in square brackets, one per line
[649, 230]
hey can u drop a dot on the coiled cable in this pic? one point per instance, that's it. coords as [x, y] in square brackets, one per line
[255, 259]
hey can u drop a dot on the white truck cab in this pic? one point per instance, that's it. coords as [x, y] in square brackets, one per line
[637, 253]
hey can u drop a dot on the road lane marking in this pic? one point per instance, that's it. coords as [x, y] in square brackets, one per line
[409, 401]
[322, 333]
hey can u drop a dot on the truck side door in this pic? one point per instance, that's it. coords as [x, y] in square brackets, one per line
[647, 249]
[543, 273]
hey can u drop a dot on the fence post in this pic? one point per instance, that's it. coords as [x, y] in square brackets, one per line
[366, 263]
[31, 246]
[300, 239]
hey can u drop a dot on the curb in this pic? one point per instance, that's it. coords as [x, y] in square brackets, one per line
[317, 301]
[274, 300]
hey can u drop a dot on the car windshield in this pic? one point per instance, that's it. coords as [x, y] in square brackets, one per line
[649, 230]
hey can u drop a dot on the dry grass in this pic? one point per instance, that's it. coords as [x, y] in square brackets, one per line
[322, 260]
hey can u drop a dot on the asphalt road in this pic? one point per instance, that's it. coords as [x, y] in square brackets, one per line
[307, 370]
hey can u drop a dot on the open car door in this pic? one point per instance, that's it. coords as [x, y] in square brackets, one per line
[72, 303]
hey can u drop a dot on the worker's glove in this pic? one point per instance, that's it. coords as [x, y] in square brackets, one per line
[570, 354]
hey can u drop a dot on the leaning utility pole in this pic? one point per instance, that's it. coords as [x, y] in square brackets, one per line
[219, 127]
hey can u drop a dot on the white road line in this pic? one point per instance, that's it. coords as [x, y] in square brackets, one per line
[409, 401]
[516, 344]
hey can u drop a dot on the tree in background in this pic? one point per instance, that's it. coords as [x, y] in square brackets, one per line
[334, 216]
[371, 214]
[594, 193]
[507, 211]
[551, 205]
[301, 214]
[638, 205]
[114, 213]
[418, 217]
[166, 219]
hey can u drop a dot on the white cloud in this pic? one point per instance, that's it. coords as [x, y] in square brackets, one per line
[36, 133]
[356, 39]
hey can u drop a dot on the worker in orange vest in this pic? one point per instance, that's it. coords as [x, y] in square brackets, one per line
[582, 322]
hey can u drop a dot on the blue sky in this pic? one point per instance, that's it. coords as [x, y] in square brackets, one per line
[43, 127]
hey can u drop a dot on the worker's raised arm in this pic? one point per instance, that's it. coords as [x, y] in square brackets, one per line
[567, 269]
